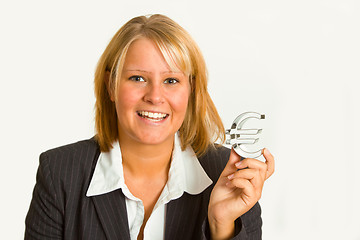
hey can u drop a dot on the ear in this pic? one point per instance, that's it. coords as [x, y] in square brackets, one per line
[107, 83]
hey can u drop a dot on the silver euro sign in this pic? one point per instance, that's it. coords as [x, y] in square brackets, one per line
[237, 137]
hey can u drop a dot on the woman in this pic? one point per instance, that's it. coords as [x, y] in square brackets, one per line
[150, 171]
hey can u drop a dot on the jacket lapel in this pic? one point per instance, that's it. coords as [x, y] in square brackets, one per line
[184, 217]
[111, 209]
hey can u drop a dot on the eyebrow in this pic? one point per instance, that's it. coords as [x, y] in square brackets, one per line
[139, 70]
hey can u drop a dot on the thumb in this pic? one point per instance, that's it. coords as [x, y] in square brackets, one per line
[230, 166]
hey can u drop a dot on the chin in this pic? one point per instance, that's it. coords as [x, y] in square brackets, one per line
[155, 139]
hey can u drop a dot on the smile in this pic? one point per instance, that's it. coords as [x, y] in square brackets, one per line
[152, 116]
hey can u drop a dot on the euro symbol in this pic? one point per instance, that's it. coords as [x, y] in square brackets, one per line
[237, 137]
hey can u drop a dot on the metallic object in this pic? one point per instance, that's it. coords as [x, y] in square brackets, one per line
[238, 137]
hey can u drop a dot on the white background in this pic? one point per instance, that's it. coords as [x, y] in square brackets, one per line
[296, 61]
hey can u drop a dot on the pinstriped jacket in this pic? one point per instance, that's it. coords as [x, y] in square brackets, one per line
[60, 209]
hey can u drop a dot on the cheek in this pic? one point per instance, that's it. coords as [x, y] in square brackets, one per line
[179, 101]
[126, 99]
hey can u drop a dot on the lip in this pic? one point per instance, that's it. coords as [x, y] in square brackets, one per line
[152, 111]
[153, 117]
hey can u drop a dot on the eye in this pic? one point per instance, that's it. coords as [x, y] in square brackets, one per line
[137, 78]
[171, 81]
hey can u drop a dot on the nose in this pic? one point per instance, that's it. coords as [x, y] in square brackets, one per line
[154, 94]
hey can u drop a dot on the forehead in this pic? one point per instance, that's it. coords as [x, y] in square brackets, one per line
[148, 54]
[143, 54]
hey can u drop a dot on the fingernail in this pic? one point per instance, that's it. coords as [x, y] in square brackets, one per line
[231, 176]
[266, 151]
[238, 164]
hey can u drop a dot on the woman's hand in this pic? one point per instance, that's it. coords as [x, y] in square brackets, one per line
[237, 190]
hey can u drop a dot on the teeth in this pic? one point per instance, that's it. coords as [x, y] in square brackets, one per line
[152, 116]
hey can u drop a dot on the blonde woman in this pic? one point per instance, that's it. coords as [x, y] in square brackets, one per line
[152, 171]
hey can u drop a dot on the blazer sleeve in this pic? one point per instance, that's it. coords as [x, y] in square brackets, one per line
[45, 216]
[247, 226]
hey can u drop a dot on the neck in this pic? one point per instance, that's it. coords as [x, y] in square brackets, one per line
[146, 161]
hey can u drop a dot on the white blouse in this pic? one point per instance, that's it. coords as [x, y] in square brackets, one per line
[185, 175]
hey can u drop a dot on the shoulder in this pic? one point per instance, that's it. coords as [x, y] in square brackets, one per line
[80, 151]
[77, 147]
[214, 161]
[72, 160]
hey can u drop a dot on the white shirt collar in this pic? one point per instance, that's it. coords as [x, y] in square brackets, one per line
[185, 174]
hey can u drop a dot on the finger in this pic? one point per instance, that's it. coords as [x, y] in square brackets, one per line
[270, 163]
[244, 173]
[253, 175]
[253, 164]
[243, 184]
[230, 166]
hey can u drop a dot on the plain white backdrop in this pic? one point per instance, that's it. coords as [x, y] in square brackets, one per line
[295, 61]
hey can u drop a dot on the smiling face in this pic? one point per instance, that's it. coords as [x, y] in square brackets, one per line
[151, 98]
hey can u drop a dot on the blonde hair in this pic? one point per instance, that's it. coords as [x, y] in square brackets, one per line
[202, 125]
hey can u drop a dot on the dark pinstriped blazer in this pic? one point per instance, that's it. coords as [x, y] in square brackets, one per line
[60, 210]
